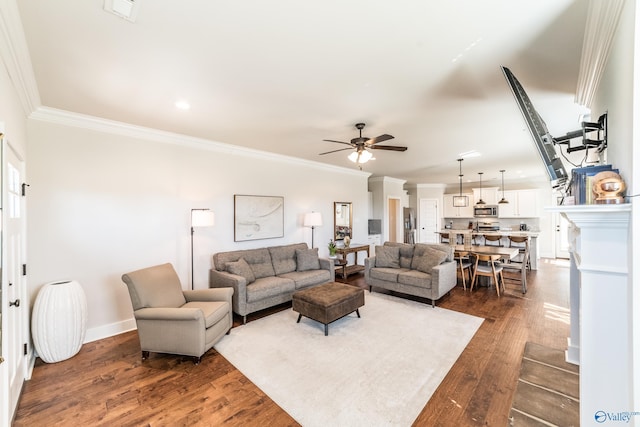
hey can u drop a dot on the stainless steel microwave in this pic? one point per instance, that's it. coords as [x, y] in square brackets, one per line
[485, 211]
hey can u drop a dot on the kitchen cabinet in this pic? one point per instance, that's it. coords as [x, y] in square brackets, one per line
[489, 195]
[450, 211]
[522, 204]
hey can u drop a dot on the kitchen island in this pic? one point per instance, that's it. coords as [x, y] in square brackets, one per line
[479, 239]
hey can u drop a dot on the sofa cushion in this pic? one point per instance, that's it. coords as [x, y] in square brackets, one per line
[415, 278]
[304, 279]
[268, 287]
[383, 273]
[388, 256]
[429, 258]
[241, 268]
[448, 249]
[406, 253]
[260, 262]
[283, 258]
[307, 259]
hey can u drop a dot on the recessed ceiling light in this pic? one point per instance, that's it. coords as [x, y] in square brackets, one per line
[182, 105]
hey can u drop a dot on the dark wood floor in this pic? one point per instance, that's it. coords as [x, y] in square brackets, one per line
[108, 384]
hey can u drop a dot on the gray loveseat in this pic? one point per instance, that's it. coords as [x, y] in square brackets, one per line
[424, 270]
[265, 277]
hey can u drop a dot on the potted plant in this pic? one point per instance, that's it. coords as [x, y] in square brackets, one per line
[332, 248]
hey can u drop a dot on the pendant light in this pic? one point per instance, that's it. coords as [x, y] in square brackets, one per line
[481, 202]
[460, 201]
[503, 200]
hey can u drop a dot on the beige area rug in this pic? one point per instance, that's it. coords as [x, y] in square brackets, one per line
[379, 370]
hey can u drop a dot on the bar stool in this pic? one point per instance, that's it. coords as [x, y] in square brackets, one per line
[522, 243]
[490, 270]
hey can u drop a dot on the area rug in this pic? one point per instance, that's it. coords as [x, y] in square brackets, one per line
[377, 370]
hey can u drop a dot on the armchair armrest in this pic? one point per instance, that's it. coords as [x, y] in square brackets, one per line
[212, 294]
[168, 313]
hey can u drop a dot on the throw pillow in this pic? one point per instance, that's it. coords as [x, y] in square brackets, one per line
[241, 268]
[430, 258]
[307, 259]
[388, 256]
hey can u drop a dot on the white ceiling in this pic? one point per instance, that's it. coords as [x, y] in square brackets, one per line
[283, 75]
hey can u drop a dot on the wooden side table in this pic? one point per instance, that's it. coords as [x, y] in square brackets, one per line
[354, 248]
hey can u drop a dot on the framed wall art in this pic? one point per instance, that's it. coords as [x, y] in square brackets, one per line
[257, 217]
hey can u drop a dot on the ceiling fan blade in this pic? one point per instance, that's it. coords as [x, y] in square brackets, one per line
[338, 142]
[380, 138]
[335, 151]
[388, 147]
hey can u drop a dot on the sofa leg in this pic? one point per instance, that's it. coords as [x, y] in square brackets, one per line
[145, 355]
[244, 320]
[228, 332]
[196, 360]
[433, 303]
[370, 287]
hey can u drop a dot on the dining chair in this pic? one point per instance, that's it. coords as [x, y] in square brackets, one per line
[488, 265]
[492, 240]
[463, 259]
[444, 237]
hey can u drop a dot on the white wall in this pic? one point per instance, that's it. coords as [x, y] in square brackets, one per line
[102, 204]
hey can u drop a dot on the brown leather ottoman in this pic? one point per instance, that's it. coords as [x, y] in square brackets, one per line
[328, 302]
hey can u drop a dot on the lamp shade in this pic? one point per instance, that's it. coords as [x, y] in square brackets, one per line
[313, 219]
[202, 218]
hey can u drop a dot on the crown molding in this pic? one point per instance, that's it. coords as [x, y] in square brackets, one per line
[14, 53]
[600, 29]
[97, 124]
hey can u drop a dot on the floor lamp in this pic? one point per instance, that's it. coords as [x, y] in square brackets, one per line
[199, 218]
[313, 220]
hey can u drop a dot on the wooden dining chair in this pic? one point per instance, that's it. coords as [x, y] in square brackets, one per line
[492, 240]
[444, 237]
[464, 264]
[488, 265]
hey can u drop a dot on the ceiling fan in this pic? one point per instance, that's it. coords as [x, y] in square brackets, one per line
[363, 144]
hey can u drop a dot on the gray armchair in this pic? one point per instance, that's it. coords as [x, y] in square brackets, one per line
[174, 321]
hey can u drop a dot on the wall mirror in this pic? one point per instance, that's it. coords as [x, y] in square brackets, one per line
[342, 220]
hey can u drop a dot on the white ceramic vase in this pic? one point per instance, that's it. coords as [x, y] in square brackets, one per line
[59, 320]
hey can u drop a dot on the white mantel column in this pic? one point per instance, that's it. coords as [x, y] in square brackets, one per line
[601, 254]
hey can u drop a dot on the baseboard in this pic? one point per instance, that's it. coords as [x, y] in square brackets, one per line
[109, 330]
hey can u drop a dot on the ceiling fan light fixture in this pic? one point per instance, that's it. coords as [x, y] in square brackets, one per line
[361, 157]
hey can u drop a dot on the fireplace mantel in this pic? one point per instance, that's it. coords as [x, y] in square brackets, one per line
[601, 310]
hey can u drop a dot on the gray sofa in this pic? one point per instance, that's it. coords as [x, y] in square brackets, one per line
[424, 270]
[265, 277]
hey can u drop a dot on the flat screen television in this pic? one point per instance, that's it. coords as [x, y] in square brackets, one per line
[543, 140]
[375, 226]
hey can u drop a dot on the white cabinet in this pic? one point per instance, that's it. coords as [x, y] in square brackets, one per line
[450, 211]
[522, 204]
[374, 240]
[489, 195]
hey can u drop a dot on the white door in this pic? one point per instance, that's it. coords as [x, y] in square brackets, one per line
[562, 236]
[428, 221]
[15, 305]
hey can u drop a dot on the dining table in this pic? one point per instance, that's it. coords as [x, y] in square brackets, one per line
[503, 251]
